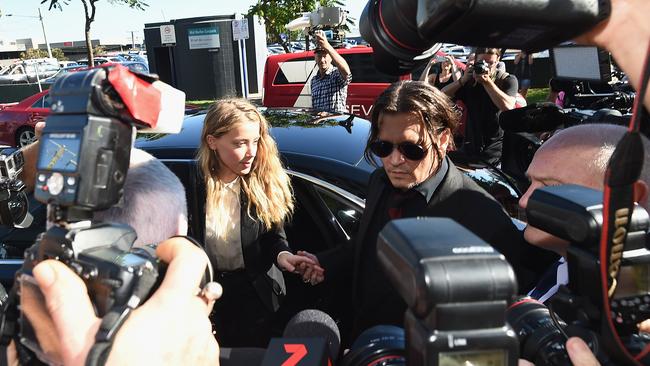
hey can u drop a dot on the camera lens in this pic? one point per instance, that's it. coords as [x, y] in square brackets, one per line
[379, 345]
[390, 28]
[540, 340]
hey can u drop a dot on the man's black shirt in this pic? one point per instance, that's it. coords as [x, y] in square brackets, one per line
[373, 286]
[483, 136]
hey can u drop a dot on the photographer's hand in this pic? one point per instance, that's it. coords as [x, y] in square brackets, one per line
[579, 353]
[155, 325]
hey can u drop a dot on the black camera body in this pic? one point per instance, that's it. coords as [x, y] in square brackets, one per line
[14, 210]
[480, 67]
[82, 166]
[575, 214]
[457, 289]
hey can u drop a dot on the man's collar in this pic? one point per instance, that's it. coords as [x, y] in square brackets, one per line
[429, 186]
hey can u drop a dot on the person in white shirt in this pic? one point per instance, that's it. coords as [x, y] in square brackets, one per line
[248, 199]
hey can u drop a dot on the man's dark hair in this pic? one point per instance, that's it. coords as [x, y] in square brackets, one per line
[436, 110]
[488, 51]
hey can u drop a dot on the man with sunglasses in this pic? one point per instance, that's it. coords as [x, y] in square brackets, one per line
[485, 91]
[411, 130]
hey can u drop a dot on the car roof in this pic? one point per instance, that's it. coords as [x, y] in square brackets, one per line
[298, 132]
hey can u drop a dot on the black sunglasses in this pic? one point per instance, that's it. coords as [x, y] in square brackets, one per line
[410, 150]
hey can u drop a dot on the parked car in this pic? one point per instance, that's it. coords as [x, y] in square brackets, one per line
[287, 79]
[62, 72]
[17, 120]
[102, 60]
[64, 64]
[324, 158]
[137, 66]
[23, 73]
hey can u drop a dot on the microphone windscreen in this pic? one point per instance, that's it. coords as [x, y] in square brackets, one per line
[243, 356]
[537, 117]
[312, 323]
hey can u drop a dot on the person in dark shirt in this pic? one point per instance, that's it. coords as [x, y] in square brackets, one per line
[523, 71]
[410, 132]
[441, 71]
[484, 95]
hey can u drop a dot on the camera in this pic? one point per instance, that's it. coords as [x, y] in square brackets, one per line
[330, 20]
[575, 214]
[82, 166]
[403, 32]
[480, 67]
[457, 289]
[14, 209]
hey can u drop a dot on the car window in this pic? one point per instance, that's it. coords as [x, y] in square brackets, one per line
[364, 71]
[295, 71]
[345, 213]
[43, 102]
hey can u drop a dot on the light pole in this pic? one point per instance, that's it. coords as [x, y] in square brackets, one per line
[39, 17]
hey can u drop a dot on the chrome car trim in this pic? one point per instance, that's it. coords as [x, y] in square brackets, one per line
[361, 203]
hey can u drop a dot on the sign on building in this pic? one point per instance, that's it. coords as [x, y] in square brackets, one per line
[167, 34]
[239, 29]
[203, 36]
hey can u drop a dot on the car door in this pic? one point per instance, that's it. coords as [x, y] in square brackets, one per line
[324, 216]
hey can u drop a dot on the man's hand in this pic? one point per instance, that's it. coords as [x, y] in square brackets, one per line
[483, 79]
[171, 328]
[579, 353]
[322, 42]
[313, 274]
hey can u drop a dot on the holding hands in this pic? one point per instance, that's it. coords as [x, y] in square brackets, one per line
[304, 264]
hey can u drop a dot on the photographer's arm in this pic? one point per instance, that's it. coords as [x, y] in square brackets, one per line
[337, 59]
[427, 70]
[500, 98]
[144, 338]
[30, 154]
[453, 88]
[626, 34]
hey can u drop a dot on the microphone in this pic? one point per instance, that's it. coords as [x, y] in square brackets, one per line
[537, 117]
[311, 337]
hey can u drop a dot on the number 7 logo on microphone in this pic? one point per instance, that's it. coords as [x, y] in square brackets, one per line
[297, 352]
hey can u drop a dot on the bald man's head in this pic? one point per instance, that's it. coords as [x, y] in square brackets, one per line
[576, 155]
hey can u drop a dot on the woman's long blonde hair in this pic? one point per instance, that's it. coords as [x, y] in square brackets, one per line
[267, 185]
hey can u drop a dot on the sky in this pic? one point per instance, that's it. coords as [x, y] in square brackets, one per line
[113, 23]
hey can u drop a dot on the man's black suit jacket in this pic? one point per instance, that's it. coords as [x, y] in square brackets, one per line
[457, 197]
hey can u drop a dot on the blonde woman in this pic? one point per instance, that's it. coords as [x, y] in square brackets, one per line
[248, 199]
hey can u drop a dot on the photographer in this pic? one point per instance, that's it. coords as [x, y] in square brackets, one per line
[329, 87]
[153, 333]
[576, 155]
[444, 71]
[485, 92]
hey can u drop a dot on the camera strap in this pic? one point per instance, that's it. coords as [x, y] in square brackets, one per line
[623, 170]
[115, 318]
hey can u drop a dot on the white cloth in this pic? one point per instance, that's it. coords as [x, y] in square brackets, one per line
[223, 229]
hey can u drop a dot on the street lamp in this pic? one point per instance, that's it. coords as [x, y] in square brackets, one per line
[39, 17]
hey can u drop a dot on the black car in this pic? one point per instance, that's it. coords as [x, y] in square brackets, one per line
[323, 156]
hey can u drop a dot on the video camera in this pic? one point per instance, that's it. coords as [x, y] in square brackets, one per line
[82, 166]
[330, 20]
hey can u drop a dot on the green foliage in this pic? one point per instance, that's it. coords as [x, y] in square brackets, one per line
[58, 54]
[536, 95]
[99, 50]
[277, 13]
[33, 53]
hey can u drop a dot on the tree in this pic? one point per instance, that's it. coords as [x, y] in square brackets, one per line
[33, 53]
[90, 9]
[277, 13]
[38, 53]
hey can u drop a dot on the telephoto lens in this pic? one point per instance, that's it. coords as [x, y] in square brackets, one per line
[379, 345]
[542, 340]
